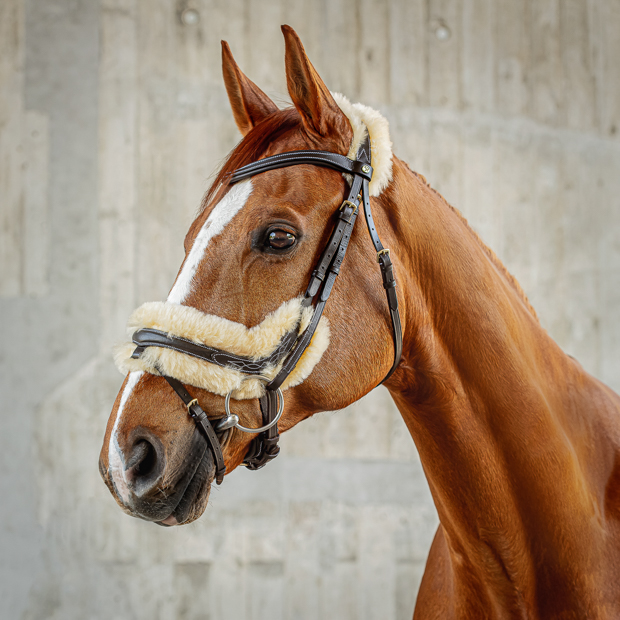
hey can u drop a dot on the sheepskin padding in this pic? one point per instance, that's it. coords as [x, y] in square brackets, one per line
[256, 342]
[364, 119]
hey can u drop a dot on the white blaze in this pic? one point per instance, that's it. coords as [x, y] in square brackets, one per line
[117, 469]
[221, 215]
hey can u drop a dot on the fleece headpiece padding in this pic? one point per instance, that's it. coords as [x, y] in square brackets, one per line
[256, 342]
[366, 120]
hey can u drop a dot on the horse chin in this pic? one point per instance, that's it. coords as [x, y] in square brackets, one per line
[194, 501]
[196, 511]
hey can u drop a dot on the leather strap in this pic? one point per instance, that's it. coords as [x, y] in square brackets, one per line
[148, 337]
[347, 211]
[389, 282]
[325, 159]
[264, 447]
[202, 421]
[298, 351]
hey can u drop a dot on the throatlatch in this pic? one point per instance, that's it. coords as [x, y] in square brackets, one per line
[265, 447]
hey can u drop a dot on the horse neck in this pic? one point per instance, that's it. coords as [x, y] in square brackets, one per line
[507, 426]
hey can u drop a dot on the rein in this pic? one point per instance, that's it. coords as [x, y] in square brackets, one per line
[265, 447]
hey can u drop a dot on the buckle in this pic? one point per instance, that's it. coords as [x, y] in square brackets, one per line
[348, 203]
[381, 252]
[190, 404]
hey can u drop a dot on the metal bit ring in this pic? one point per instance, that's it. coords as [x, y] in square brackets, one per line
[232, 420]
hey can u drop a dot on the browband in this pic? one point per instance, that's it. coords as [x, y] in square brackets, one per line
[265, 446]
[325, 159]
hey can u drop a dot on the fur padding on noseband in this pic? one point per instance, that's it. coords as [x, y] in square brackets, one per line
[256, 342]
[362, 118]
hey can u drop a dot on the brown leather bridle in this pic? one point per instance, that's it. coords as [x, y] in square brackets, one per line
[265, 447]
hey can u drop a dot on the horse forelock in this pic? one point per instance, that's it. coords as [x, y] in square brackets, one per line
[255, 144]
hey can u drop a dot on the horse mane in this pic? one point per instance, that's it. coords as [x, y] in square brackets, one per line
[254, 145]
[487, 250]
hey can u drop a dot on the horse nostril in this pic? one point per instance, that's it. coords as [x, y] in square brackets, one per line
[143, 468]
[142, 459]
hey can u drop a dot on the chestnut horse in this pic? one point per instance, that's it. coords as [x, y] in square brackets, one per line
[520, 446]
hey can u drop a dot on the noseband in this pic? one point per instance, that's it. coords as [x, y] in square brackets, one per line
[265, 447]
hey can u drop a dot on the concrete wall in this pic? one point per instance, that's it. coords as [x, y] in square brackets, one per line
[112, 117]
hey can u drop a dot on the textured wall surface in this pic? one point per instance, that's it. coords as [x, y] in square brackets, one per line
[113, 115]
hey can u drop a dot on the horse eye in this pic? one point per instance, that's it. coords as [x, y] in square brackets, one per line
[280, 240]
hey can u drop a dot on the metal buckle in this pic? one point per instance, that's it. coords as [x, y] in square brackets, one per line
[348, 203]
[383, 251]
[190, 404]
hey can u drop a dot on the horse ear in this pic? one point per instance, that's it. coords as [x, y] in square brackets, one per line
[249, 103]
[319, 112]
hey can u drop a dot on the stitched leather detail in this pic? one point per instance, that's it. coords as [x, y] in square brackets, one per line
[325, 159]
[155, 338]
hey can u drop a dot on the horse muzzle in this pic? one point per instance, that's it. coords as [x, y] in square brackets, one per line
[155, 484]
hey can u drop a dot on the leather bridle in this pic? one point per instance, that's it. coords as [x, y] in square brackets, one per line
[265, 447]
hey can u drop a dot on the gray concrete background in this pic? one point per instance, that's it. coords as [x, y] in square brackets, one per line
[112, 117]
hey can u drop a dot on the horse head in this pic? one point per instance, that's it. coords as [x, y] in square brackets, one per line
[242, 289]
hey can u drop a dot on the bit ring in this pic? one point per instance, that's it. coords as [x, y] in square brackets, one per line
[232, 420]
